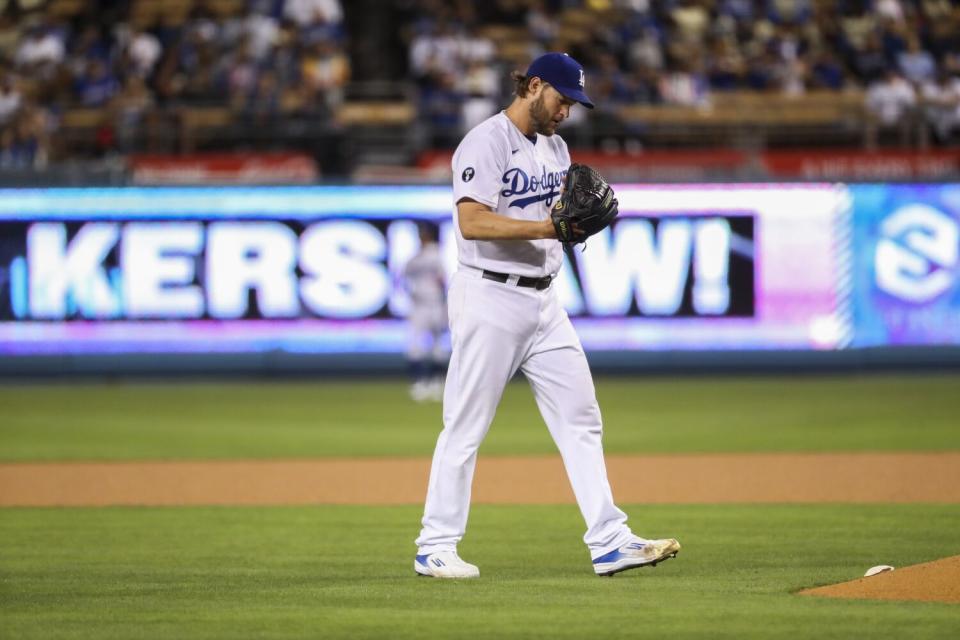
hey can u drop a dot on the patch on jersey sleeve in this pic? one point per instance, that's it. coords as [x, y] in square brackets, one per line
[467, 174]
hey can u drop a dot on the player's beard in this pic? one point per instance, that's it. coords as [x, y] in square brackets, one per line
[540, 117]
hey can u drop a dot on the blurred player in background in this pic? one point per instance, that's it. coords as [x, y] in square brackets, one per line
[426, 353]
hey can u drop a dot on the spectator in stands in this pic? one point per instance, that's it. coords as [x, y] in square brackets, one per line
[789, 66]
[916, 64]
[827, 72]
[870, 62]
[261, 29]
[316, 18]
[858, 21]
[284, 62]
[609, 82]
[307, 12]
[507, 12]
[41, 51]
[685, 85]
[325, 72]
[440, 103]
[264, 104]
[128, 110]
[691, 20]
[434, 51]
[10, 96]
[789, 12]
[541, 23]
[480, 86]
[645, 49]
[894, 36]
[889, 9]
[941, 106]
[472, 47]
[890, 101]
[943, 32]
[24, 144]
[97, 85]
[9, 35]
[93, 41]
[203, 22]
[739, 10]
[141, 52]
[198, 74]
[241, 75]
[762, 70]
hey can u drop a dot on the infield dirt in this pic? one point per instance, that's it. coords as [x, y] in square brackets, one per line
[654, 479]
[937, 581]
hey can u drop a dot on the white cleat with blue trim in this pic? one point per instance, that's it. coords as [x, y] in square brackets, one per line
[637, 553]
[444, 564]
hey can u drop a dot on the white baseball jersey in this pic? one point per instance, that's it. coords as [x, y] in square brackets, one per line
[517, 177]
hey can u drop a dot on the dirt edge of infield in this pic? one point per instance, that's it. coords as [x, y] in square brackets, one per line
[937, 581]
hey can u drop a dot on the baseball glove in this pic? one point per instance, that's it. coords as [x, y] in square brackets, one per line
[585, 207]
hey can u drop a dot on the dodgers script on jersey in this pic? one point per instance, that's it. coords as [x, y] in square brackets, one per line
[517, 177]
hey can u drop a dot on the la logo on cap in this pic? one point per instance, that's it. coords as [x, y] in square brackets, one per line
[581, 78]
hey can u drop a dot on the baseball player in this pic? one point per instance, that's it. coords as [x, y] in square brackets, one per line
[508, 174]
[427, 320]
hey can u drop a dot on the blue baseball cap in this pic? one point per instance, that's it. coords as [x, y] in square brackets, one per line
[563, 73]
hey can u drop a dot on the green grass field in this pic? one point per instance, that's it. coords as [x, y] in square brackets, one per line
[346, 572]
[199, 420]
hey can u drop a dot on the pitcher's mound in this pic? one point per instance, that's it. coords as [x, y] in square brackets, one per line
[937, 581]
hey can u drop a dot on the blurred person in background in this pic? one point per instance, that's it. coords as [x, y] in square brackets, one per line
[194, 73]
[316, 19]
[441, 104]
[791, 12]
[306, 13]
[917, 64]
[41, 51]
[891, 9]
[241, 75]
[25, 142]
[10, 96]
[541, 23]
[427, 319]
[941, 106]
[480, 86]
[9, 35]
[685, 85]
[127, 111]
[141, 52]
[870, 62]
[264, 104]
[96, 85]
[890, 101]
[726, 67]
[261, 29]
[826, 71]
[325, 71]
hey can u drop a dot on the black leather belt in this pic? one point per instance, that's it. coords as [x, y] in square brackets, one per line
[523, 281]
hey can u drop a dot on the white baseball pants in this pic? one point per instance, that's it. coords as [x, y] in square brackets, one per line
[497, 328]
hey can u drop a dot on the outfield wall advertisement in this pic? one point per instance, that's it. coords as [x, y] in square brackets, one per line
[319, 269]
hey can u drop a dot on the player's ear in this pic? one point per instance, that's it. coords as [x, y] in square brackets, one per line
[535, 86]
